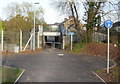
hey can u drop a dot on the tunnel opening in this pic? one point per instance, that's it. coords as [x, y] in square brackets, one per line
[53, 42]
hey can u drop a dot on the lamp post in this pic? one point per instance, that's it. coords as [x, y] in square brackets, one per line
[118, 11]
[34, 29]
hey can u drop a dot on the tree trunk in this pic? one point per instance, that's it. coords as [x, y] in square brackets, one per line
[76, 22]
[89, 34]
[75, 11]
[92, 12]
[72, 10]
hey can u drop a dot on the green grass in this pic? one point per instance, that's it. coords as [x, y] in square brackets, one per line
[10, 74]
[78, 48]
[99, 70]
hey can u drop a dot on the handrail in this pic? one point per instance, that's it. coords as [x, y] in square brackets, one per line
[51, 30]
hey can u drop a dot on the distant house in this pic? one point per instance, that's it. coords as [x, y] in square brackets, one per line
[52, 27]
[68, 25]
[55, 25]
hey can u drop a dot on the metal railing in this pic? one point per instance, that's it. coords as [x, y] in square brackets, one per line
[51, 29]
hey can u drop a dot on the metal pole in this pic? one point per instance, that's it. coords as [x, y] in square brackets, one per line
[118, 11]
[20, 40]
[63, 42]
[54, 44]
[2, 40]
[38, 40]
[34, 30]
[71, 41]
[108, 48]
[66, 35]
[31, 41]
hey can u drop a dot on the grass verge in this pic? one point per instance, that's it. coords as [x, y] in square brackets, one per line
[112, 76]
[10, 75]
[99, 49]
[77, 48]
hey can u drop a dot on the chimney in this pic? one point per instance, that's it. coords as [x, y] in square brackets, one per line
[65, 19]
[70, 17]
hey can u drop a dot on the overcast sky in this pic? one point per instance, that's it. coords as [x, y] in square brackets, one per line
[51, 15]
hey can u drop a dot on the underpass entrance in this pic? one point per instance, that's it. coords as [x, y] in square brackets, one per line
[51, 37]
[53, 42]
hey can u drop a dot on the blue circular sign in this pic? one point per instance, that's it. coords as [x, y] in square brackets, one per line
[108, 23]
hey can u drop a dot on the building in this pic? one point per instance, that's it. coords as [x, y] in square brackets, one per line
[52, 27]
[116, 25]
[68, 25]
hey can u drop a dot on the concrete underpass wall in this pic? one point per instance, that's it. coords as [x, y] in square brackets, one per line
[42, 41]
[55, 43]
[58, 42]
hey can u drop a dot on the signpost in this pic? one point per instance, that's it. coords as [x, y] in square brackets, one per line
[71, 33]
[108, 24]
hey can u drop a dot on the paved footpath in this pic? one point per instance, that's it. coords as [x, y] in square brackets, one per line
[57, 66]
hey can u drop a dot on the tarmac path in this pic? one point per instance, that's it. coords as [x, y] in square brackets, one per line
[53, 65]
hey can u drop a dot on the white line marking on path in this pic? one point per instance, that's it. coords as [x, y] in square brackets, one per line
[60, 54]
[105, 68]
[99, 77]
[19, 76]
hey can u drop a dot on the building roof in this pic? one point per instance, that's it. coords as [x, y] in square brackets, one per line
[116, 24]
[54, 24]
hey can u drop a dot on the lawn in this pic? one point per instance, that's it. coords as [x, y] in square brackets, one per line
[9, 75]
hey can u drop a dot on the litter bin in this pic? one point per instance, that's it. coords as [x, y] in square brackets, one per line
[16, 49]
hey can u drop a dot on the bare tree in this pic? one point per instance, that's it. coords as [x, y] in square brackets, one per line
[69, 7]
[12, 10]
[92, 11]
[25, 9]
[96, 14]
[93, 14]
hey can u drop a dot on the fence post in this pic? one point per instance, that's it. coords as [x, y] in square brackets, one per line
[2, 40]
[20, 40]
[28, 42]
[31, 42]
[71, 42]
[66, 35]
[63, 42]
[38, 43]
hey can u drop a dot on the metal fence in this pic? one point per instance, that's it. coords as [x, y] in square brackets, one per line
[99, 37]
[17, 39]
[0, 40]
[11, 39]
[102, 36]
[25, 37]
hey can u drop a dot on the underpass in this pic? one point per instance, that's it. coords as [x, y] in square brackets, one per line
[52, 38]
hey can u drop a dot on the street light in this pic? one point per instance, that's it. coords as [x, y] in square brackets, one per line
[34, 28]
[118, 11]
